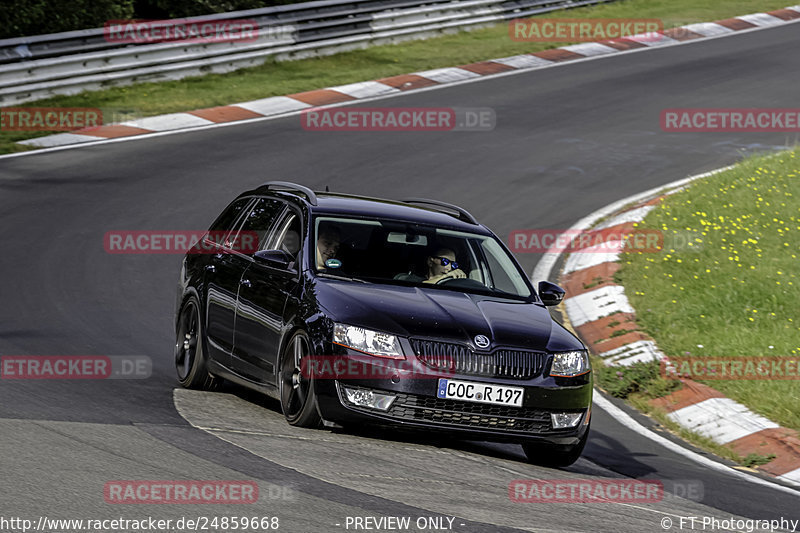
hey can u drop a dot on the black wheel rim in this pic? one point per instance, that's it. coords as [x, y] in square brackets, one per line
[186, 341]
[294, 386]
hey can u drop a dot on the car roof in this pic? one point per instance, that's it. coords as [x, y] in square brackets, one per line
[350, 205]
[359, 206]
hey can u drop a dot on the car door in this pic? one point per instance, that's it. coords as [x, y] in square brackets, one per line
[224, 273]
[263, 294]
[223, 270]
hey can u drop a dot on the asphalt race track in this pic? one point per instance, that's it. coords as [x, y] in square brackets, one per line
[568, 141]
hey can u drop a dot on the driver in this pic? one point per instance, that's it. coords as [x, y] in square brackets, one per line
[327, 244]
[442, 265]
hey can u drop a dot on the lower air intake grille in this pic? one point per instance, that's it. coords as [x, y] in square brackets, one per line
[437, 410]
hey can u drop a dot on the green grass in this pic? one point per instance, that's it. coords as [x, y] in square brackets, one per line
[640, 380]
[279, 78]
[733, 290]
[755, 459]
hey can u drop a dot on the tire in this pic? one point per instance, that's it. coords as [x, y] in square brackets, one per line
[190, 355]
[298, 399]
[555, 456]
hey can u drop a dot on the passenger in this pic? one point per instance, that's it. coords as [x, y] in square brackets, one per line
[328, 240]
[291, 243]
[443, 265]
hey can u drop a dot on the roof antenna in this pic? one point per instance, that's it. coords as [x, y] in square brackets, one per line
[327, 189]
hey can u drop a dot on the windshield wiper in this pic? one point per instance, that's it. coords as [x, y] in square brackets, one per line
[342, 278]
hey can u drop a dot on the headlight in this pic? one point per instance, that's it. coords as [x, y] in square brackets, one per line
[367, 341]
[570, 364]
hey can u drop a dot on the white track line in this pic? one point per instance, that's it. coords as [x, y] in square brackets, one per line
[625, 419]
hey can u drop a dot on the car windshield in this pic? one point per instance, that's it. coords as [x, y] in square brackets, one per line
[382, 251]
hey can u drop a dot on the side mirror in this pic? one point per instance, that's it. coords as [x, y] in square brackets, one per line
[550, 293]
[274, 258]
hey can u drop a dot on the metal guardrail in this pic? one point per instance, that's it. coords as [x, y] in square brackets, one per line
[37, 67]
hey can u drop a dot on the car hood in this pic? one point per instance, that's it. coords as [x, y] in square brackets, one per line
[443, 314]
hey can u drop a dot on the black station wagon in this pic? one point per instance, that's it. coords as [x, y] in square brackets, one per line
[353, 310]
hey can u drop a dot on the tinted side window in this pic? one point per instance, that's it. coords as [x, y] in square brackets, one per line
[287, 236]
[227, 220]
[257, 223]
[227, 223]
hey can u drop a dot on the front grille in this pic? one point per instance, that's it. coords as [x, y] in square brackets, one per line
[465, 414]
[459, 359]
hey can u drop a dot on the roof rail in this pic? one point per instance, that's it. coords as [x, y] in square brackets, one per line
[463, 214]
[289, 186]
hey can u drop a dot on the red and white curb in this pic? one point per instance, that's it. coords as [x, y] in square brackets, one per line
[281, 105]
[605, 320]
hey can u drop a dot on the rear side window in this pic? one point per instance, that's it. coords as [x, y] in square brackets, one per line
[227, 220]
[226, 224]
[256, 225]
[286, 236]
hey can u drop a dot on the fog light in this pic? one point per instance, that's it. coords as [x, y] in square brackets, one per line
[565, 420]
[368, 398]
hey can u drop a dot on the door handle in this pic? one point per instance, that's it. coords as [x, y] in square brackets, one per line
[246, 283]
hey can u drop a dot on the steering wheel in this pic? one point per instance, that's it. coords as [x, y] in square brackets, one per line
[465, 283]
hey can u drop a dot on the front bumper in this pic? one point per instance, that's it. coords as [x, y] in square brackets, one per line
[417, 406]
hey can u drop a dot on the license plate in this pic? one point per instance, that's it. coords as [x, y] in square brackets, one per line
[470, 391]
